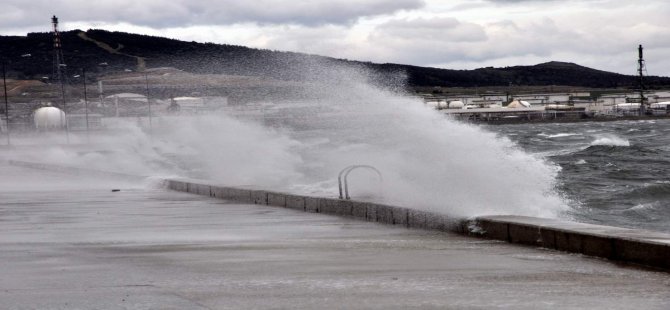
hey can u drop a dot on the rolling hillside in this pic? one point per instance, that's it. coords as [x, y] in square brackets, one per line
[125, 51]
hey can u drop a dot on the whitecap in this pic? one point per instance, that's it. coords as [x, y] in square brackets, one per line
[562, 135]
[641, 207]
[561, 152]
[610, 140]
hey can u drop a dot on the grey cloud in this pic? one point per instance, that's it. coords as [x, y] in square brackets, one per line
[176, 13]
[324, 40]
[541, 39]
[435, 29]
[451, 40]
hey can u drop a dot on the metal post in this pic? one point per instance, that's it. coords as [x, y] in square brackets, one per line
[146, 83]
[83, 73]
[62, 92]
[101, 95]
[4, 83]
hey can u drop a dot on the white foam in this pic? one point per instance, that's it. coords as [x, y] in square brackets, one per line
[563, 135]
[610, 140]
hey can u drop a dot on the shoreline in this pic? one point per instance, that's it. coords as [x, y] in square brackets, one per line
[566, 120]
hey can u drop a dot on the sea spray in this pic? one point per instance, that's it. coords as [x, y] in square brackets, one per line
[434, 163]
[232, 151]
[427, 160]
[345, 116]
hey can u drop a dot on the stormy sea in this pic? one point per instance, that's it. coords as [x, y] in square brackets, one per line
[613, 173]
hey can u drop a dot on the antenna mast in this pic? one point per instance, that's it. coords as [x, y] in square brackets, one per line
[58, 61]
[641, 69]
[59, 72]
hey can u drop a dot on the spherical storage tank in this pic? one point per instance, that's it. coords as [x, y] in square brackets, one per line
[49, 118]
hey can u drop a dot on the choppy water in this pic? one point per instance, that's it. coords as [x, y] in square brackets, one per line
[616, 173]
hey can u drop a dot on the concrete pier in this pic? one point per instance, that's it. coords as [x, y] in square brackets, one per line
[635, 246]
[620, 244]
[72, 243]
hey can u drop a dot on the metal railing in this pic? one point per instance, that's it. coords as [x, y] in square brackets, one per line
[345, 172]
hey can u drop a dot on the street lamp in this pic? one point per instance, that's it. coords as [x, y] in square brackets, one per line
[83, 72]
[101, 71]
[4, 83]
[146, 83]
[62, 91]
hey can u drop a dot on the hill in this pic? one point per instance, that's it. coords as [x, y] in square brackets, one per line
[124, 51]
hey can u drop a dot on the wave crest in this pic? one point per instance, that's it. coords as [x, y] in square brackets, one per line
[610, 140]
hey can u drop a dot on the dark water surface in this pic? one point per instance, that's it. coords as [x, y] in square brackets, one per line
[615, 173]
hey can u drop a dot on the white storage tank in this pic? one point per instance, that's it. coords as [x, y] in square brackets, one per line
[628, 106]
[49, 118]
[557, 107]
[660, 105]
[456, 104]
[436, 104]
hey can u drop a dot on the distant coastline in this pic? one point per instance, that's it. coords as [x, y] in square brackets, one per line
[121, 51]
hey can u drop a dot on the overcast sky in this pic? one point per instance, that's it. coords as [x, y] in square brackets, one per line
[456, 34]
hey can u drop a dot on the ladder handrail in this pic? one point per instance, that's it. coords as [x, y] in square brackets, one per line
[346, 172]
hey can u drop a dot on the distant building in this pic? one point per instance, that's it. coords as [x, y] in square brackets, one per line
[127, 97]
[196, 105]
[542, 99]
[126, 104]
[77, 122]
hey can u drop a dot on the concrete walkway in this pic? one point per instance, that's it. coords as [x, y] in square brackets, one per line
[71, 243]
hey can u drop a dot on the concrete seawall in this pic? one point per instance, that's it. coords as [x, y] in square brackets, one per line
[619, 244]
[635, 246]
[372, 212]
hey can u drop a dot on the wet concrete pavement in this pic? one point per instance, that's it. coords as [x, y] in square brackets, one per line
[69, 242]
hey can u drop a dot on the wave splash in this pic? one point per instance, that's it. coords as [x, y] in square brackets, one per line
[428, 161]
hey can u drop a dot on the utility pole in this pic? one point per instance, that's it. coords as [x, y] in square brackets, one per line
[146, 83]
[64, 106]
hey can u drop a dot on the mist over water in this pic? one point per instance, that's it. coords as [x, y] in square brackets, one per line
[346, 117]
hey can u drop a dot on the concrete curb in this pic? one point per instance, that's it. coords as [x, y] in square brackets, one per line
[618, 244]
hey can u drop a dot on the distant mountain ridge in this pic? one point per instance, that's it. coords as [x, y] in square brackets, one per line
[121, 51]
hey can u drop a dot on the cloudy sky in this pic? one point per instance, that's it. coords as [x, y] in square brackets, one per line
[456, 34]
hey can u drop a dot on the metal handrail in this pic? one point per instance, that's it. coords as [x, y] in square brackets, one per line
[339, 179]
[346, 172]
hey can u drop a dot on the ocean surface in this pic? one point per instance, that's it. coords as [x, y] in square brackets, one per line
[613, 173]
